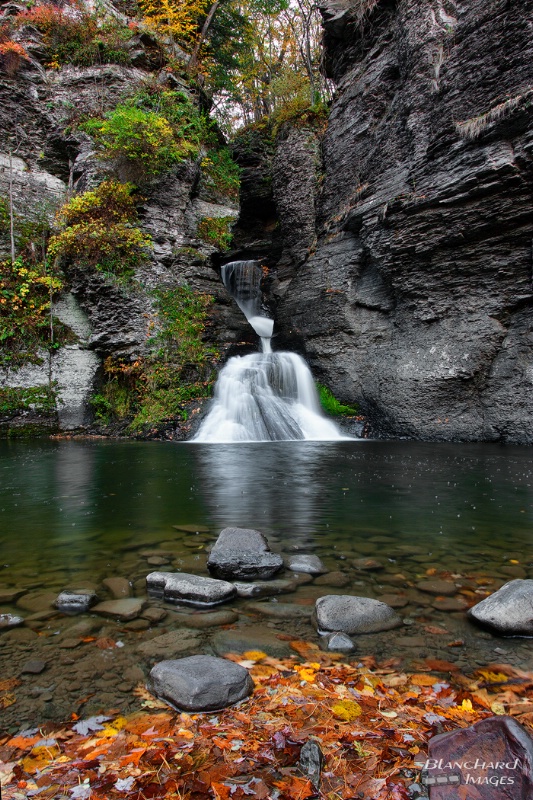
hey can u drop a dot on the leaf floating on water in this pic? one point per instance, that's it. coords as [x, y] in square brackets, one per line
[148, 699]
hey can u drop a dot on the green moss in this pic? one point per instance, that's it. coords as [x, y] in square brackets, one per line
[332, 406]
[216, 231]
[221, 176]
[180, 368]
[41, 399]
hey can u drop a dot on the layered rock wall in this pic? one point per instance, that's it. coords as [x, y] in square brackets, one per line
[417, 300]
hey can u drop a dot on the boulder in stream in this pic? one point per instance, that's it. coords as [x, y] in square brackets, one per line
[309, 564]
[193, 590]
[354, 615]
[243, 554]
[509, 610]
[201, 683]
[75, 601]
[494, 756]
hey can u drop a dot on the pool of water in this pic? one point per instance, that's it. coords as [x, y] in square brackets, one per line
[74, 511]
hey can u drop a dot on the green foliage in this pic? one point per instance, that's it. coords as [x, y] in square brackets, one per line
[221, 175]
[216, 231]
[332, 406]
[26, 292]
[74, 36]
[35, 398]
[4, 215]
[150, 132]
[180, 368]
[100, 231]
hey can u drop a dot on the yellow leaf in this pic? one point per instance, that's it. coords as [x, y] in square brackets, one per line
[346, 710]
[423, 680]
[497, 708]
[112, 728]
[254, 655]
[466, 705]
[306, 674]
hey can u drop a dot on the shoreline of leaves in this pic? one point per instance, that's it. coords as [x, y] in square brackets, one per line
[371, 721]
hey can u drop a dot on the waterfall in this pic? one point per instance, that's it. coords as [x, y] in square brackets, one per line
[265, 396]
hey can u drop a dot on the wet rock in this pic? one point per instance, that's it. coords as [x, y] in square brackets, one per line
[281, 610]
[437, 587]
[137, 625]
[181, 587]
[191, 528]
[201, 683]
[509, 610]
[125, 609]
[514, 570]
[157, 561]
[9, 595]
[413, 641]
[118, 587]
[10, 621]
[19, 636]
[37, 601]
[354, 615]
[170, 644]
[336, 579]
[496, 754]
[33, 667]
[311, 762]
[250, 637]
[210, 619]
[265, 588]
[367, 564]
[339, 643]
[154, 615]
[309, 564]
[449, 604]
[243, 554]
[75, 602]
[195, 562]
[393, 600]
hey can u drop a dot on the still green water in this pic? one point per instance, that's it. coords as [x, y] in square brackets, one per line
[81, 504]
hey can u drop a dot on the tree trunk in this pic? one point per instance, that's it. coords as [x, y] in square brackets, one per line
[203, 34]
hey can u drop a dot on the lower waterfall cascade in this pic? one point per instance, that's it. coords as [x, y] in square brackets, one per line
[265, 396]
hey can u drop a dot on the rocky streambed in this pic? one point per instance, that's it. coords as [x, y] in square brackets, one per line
[57, 663]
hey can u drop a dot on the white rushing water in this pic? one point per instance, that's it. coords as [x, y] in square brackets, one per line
[264, 396]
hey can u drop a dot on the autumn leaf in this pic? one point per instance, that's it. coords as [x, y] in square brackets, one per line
[346, 710]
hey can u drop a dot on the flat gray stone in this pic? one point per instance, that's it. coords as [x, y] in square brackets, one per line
[77, 601]
[281, 610]
[119, 587]
[201, 683]
[243, 554]
[210, 619]
[437, 587]
[265, 588]
[9, 594]
[309, 564]
[340, 643]
[154, 615]
[194, 590]
[10, 621]
[37, 601]
[250, 637]
[509, 610]
[354, 615]
[125, 609]
[33, 667]
[170, 644]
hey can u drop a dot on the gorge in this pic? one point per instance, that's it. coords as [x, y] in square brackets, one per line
[396, 239]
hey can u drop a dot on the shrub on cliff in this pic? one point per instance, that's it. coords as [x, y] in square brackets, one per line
[71, 35]
[100, 231]
[216, 231]
[151, 131]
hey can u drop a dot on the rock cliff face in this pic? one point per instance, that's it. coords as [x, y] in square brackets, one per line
[417, 299]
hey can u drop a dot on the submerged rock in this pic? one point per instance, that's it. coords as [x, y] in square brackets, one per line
[195, 590]
[170, 644]
[201, 683]
[265, 588]
[509, 610]
[118, 586]
[243, 554]
[354, 615]
[10, 621]
[496, 753]
[437, 587]
[309, 564]
[76, 601]
[250, 637]
[125, 609]
[340, 643]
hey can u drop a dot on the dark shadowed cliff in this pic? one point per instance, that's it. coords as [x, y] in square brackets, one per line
[416, 299]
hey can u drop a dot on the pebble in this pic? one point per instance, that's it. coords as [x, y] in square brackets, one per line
[449, 604]
[210, 619]
[367, 564]
[10, 621]
[250, 637]
[154, 614]
[335, 579]
[169, 644]
[37, 601]
[309, 564]
[157, 561]
[393, 600]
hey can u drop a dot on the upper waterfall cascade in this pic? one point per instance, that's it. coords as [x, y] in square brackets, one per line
[264, 396]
